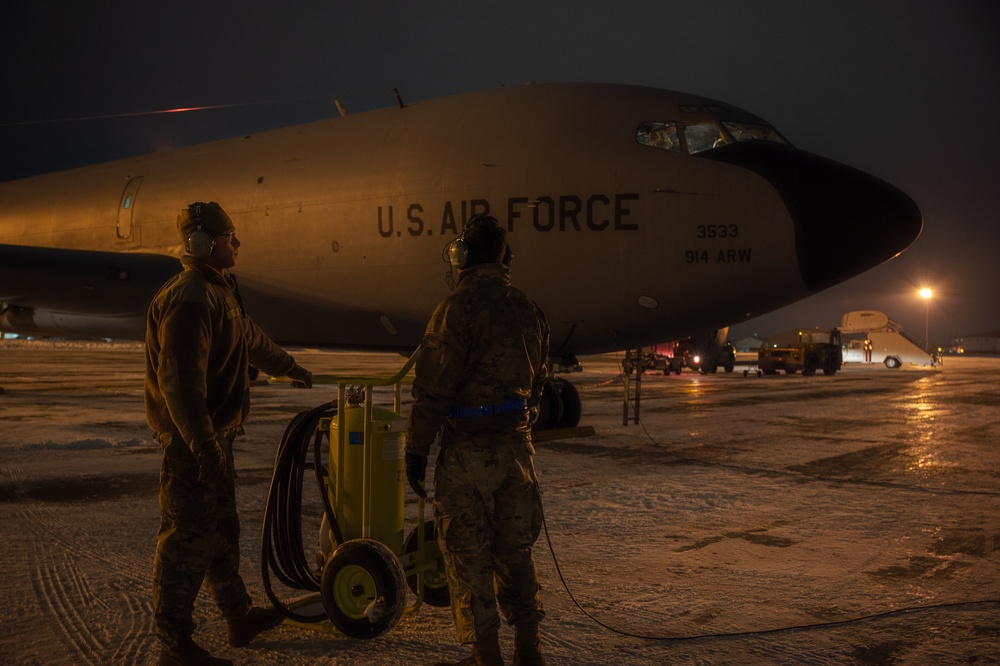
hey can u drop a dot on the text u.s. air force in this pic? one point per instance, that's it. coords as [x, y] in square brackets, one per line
[598, 212]
[566, 213]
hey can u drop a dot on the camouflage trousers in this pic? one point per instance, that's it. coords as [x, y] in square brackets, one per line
[488, 514]
[198, 541]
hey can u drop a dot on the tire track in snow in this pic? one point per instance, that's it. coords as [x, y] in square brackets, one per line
[49, 578]
[74, 607]
[138, 639]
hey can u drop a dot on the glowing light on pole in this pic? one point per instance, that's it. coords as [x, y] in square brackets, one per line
[926, 294]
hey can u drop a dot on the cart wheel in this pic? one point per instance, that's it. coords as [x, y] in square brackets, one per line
[746, 372]
[363, 588]
[436, 581]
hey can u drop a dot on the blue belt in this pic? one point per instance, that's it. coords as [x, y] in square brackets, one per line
[504, 407]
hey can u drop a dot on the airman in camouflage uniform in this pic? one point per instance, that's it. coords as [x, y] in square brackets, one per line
[480, 372]
[199, 347]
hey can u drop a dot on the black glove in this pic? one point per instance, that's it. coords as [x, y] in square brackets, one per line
[212, 466]
[416, 470]
[301, 378]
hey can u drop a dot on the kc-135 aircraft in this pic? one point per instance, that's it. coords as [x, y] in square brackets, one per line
[635, 215]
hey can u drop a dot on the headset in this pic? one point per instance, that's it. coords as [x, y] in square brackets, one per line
[199, 243]
[459, 254]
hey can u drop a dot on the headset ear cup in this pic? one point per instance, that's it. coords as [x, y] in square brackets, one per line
[200, 244]
[458, 254]
[508, 256]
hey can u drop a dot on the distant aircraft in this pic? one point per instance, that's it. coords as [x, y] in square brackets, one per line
[636, 215]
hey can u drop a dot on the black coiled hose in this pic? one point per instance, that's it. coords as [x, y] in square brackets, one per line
[281, 549]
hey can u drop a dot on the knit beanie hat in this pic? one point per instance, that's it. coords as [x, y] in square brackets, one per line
[208, 217]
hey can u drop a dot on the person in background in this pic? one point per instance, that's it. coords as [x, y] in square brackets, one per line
[479, 377]
[200, 345]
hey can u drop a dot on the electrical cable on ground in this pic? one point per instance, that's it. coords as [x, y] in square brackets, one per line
[755, 632]
[758, 632]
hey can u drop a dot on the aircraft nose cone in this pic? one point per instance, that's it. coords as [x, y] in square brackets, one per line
[846, 221]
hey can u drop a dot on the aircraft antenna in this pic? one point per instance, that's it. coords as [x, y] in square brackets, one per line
[340, 108]
[399, 100]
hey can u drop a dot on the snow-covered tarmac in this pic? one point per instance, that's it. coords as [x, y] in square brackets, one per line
[852, 519]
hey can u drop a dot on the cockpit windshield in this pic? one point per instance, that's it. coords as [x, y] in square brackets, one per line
[751, 132]
[699, 136]
[659, 135]
[703, 136]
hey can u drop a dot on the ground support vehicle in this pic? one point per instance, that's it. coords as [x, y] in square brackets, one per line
[651, 358]
[870, 337]
[363, 566]
[705, 353]
[815, 350]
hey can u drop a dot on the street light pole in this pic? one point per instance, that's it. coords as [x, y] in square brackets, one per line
[926, 294]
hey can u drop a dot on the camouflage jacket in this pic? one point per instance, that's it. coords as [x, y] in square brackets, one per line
[486, 343]
[199, 346]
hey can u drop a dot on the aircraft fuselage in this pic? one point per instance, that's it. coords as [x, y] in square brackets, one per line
[623, 242]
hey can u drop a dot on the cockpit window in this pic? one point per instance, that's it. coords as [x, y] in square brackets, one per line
[700, 137]
[751, 132]
[658, 135]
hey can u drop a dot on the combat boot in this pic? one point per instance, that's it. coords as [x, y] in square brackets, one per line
[528, 644]
[255, 622]
[189, 653]
[485, 652]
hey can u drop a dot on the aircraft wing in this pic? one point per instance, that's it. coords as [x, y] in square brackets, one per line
[90, 293]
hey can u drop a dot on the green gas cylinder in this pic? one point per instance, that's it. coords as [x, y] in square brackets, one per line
[381, 488]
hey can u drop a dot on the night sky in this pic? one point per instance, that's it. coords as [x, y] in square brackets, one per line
[905, 90]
